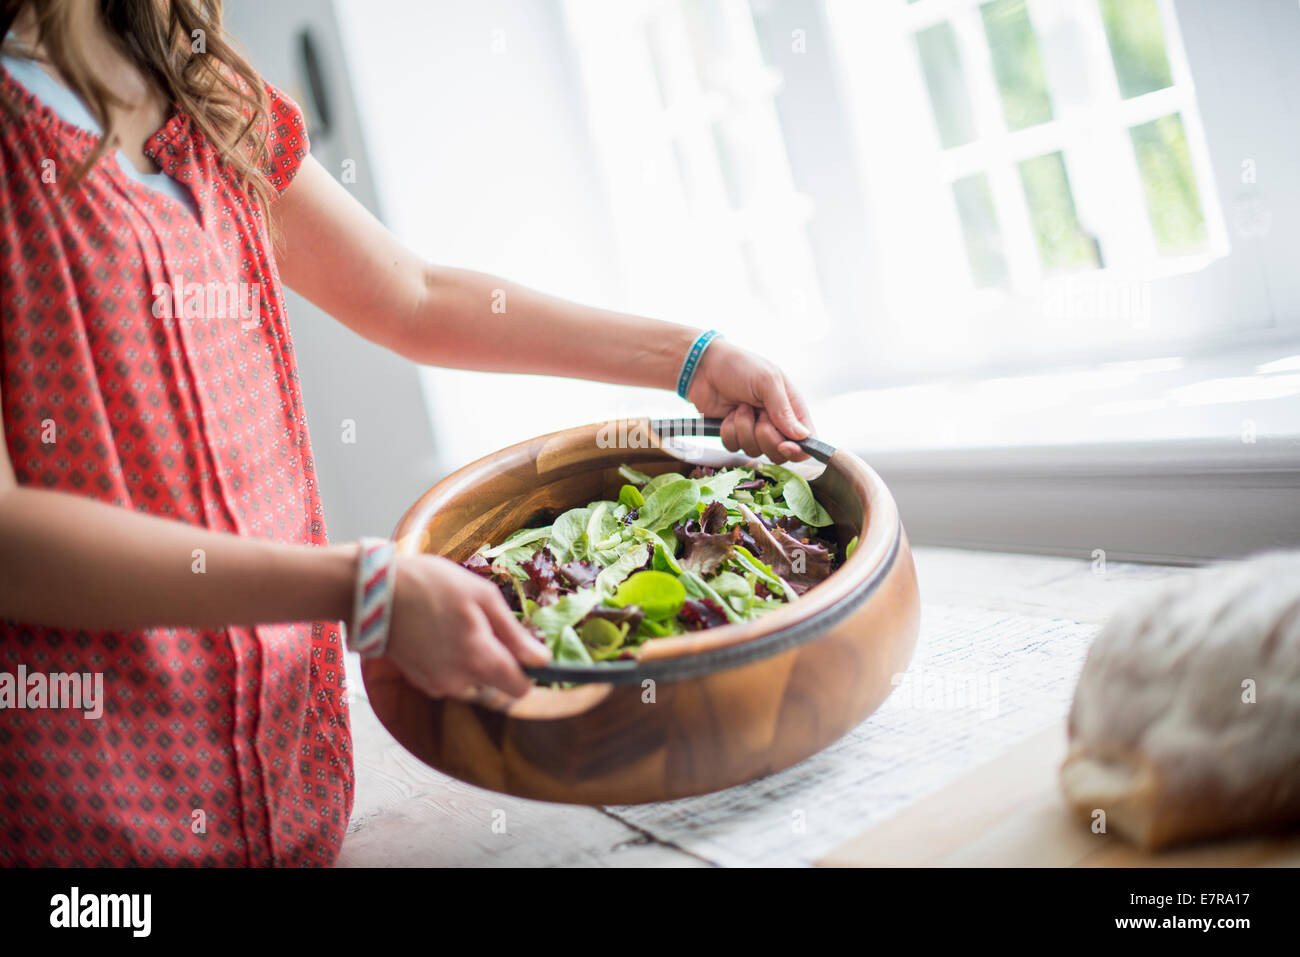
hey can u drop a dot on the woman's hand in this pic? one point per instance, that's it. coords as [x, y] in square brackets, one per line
[761, 410]
[451, 631]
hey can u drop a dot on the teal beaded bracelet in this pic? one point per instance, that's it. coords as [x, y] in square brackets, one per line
[693, 360]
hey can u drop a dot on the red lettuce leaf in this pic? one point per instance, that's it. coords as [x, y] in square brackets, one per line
[578, 574]
[498, 576]
[700, 613]
[714, 518]
[542, 586]
[705, 543]
[802, 564]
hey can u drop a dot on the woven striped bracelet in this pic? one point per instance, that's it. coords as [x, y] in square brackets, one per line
[372, 607]
[693, 358]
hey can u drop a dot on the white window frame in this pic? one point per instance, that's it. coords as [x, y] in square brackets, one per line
[1092, 132]
[1136, 307]
[909, 316]
[642, 145]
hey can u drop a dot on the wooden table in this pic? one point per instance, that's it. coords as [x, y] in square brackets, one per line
[407, 814]
[1010, 813]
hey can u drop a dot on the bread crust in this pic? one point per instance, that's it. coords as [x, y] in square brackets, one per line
[1185, 724]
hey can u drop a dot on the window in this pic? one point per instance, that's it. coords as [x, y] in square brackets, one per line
[873, 192]
[682, 110]
[1042, 176]
[1035, 175]
[993, 106]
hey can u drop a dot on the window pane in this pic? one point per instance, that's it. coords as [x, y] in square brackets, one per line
[761, 12]
[1137, 45]
[730, 144]
[684, 173]
[753, 270]
[1017, 63]
[979, 226]
[710, 45]
[1062, 243]
[1173, 200]
[941, 64]
[654, 39]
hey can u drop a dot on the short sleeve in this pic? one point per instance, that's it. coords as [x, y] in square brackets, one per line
[286, 140]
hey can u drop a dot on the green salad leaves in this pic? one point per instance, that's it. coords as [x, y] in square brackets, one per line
[674, 553]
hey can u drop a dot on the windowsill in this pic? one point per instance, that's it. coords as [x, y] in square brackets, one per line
[1174, 460]
[1227, 397]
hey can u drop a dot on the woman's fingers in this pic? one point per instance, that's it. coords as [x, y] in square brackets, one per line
[517, 639]
[728, 432]
[745, 423]
[451, 631]
[792, 452]
[774, 397]
[492, 665]
[801, 410]
[766, 439]
[774, 445]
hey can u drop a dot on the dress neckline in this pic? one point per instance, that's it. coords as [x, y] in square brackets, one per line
[43, 114]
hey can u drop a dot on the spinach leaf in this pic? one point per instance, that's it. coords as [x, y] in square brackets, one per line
[603, 638]
[658, 629]
[632, 475]
[659, 594]
[731, 585]
[603, 532]
[850, 548]
[668, 504]
[630, 496]
[629, 561]
[746, 560]
[663, 561]
[525, 536]
[738, 591]
[568, 535]
[563, 613]
[721, 484]
[513, 558]
[659, 481]
[798, 495]
[568, 647]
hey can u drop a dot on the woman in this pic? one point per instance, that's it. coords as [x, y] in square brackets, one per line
[159, 517]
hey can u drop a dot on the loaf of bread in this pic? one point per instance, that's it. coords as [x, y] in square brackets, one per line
[1186, 719]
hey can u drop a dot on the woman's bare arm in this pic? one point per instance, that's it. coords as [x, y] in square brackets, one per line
[340, 257]
[68, 561]
[343, 259]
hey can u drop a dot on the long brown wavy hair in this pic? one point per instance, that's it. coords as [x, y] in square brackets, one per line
[180, 47]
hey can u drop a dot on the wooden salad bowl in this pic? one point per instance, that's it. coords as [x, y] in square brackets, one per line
[697, 712]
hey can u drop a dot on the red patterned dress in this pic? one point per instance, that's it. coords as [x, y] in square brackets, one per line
[215, 747]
